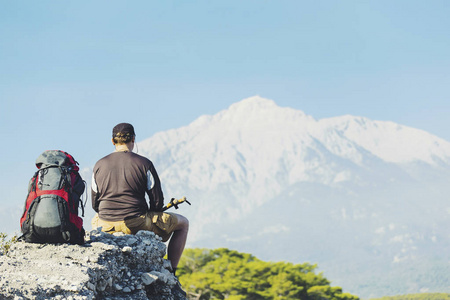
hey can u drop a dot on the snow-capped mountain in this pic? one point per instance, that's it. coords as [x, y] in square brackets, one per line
[364, 199]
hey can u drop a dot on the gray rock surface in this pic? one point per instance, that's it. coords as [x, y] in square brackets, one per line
[108, 266]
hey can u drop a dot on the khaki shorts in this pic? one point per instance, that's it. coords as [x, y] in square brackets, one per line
[161, 223]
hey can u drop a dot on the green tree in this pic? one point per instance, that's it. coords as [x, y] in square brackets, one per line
[228, 274]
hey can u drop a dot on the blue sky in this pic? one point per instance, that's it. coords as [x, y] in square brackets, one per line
[71, 70]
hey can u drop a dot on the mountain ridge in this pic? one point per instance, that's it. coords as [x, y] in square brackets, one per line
[253, 129]
[258, 175]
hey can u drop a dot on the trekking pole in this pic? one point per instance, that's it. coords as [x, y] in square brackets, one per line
[174, 202]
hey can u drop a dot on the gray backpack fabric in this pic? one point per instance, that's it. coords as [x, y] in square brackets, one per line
[54, 196]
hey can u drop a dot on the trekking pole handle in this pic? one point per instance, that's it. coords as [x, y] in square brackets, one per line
[174, 202]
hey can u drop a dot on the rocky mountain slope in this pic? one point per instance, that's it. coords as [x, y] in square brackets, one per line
[366, 200]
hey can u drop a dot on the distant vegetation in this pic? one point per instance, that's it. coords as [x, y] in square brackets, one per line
[227, 274]
[434, 296]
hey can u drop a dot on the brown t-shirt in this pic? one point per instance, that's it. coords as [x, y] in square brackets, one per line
[119, 183]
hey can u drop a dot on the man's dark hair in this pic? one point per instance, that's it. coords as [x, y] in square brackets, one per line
[123, 133]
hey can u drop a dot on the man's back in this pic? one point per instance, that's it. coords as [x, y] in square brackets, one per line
[122, 179]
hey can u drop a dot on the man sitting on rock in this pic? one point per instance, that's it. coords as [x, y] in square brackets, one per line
[119, 183]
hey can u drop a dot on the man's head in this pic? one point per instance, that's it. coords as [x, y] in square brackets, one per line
[123, 133]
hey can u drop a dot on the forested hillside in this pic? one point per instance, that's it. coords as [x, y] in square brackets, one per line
[433, 296]
[227, 274]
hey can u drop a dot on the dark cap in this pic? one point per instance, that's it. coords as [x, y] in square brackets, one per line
[123, 129]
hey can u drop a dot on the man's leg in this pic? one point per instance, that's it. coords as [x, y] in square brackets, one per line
[178, 241]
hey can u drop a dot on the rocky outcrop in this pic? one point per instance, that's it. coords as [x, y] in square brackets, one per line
[107, 267]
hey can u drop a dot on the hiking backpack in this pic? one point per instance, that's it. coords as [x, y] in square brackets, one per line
[54, 194]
